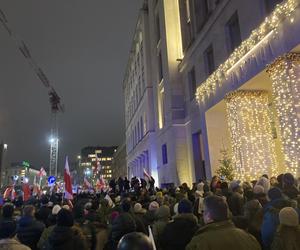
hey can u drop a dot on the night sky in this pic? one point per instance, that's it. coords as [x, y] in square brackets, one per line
[83, 47]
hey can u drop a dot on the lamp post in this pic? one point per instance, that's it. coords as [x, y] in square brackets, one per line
[3, 149]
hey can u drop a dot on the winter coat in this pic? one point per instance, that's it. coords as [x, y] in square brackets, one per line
[66, 238]
[271, 220]
[291, 191]
[29, 231]
[178, 233]
[158, 228]
[12, 244]
[88, 230]
[222, 235]
[43, 214]
[286, 238]
[44, 237]
[122, 225]
[236, 203]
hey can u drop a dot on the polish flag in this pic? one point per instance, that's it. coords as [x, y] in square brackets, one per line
[42, 172]
[10, 193]
[26, 191]
[86, 183]
[146, 175]
[100, 184]
[68, 183]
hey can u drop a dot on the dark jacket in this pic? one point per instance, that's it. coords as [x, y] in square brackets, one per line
[287, 238]
[122, 225]
[29, 231]
[65, 238]
[43, 214]
[236, 203]
[271, 220]
[178, 233]
[222, 235]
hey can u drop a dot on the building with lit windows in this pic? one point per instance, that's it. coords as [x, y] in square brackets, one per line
[119, 163]
[96, 162]
[139, 103]
[226, 75]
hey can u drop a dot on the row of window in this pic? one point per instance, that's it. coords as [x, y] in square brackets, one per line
[137, 133]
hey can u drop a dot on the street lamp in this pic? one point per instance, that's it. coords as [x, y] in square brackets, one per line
[5, 146]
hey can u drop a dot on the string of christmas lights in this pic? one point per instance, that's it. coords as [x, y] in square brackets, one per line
[270, 25]
[285, 76]
[253, 148]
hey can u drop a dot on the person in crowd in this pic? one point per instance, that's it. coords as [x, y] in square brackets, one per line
[236, 201]
[29, 230]
[43, 213]
[47, 231]
[289, 186]
[126, 185]
[271, 215]
[122, 225]
[64, 235]
[265, 183]
[162, 218]
[219, 232]
[259, 194]
[7, 212]
[135, 241]
[149, 216]
[288, 233]
[178, 233]
[7, 236]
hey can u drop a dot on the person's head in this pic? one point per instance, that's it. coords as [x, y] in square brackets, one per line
[56, 209]
[274, 194]
[138, 209]
[7, 229]
[288, 179]
[185, 207]
[126, 205]
[153, 206]
[44, 200]
[29, 211]
[163, 213]
[288, 216]
[64, 218]
[273, 181]
[8, 210]
[135, 241]
[215, 209]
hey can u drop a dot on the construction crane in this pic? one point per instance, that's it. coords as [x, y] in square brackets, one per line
[55, 101]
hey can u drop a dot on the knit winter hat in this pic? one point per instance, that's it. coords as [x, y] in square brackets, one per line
[153, 206]
[159, 194]
[274, 193]
[56, 209]
[184, 206]
[138, 209]
[288, 216]
[64, 218]
[163, 212]
[258, 189]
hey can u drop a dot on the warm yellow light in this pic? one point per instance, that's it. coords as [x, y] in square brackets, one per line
[271, 24]
[253, 148]
[285, 76]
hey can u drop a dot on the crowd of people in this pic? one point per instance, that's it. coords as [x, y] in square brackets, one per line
[133, 215]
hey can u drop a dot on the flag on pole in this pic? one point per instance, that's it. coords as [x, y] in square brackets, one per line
[42, 172]
[146, 175]
[68, 183]
[86, 183]
[100, 184]
[10, 193]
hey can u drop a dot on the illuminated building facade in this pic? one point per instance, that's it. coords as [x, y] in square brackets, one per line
[225, 74]
[96, 162]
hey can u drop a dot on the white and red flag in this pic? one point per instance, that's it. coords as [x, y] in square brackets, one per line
[146, 175]
[42, 172]
[10, 193]
[100, 184]
[86, 183]
[68, 183]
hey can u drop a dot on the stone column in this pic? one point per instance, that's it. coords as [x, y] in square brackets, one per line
[285, 76]
[253, 148]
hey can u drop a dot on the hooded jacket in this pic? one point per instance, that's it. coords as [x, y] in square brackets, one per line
[178, 233]
[222, 235]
